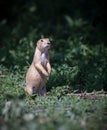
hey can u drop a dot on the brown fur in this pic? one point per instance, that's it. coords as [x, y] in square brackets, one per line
[39, 70]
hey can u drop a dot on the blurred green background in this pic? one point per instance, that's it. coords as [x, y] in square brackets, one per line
[78, 32]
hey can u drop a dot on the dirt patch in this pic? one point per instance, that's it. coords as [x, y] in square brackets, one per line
[89, 95]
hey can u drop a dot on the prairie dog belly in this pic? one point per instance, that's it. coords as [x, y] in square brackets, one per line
[33, 77]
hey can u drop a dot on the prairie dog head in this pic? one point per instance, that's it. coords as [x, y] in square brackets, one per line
[43, 44]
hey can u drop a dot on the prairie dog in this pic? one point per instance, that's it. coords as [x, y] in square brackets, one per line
[39, 70]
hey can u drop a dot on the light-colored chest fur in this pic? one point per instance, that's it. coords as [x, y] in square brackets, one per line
[43, 58]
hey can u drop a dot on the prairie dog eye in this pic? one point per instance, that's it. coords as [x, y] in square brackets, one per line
[41, 40]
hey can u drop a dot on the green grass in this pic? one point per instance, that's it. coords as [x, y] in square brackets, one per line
[57, 111]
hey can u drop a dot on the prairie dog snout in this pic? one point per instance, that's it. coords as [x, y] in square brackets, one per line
[40, 69]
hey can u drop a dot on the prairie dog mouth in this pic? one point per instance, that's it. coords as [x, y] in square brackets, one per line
[47, 46]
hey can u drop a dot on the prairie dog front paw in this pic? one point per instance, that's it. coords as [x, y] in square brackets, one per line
[45, 73]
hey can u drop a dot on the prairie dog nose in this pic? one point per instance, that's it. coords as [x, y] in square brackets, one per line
[48, 43]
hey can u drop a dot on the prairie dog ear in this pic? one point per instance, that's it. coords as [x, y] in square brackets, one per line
[40, 41]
